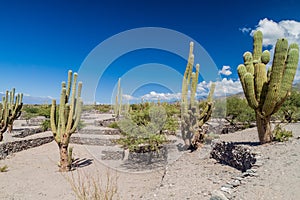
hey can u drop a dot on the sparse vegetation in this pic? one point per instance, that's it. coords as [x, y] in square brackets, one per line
[4, 168]
[281, 134]
[46, 126]
[142, 129]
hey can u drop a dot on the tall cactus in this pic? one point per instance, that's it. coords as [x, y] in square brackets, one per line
[192, 118]
[118, 101]
[10, 110]
[265, 90]
[65, 121]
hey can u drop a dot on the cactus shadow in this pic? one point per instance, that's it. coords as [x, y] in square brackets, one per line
[247, 143]
[80, 163]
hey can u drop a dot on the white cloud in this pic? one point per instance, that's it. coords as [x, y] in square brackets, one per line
[161, 96]
[128, 97]
[245, 29]
[225, 71]
[223, 87]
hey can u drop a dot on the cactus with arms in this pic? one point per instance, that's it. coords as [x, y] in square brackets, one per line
[266, 90]
[68, 114]
[10, 110]
[192, 119]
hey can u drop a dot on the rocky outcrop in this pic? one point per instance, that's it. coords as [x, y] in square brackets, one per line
[237, 156]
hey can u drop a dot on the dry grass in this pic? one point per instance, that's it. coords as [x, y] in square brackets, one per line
[88, 186]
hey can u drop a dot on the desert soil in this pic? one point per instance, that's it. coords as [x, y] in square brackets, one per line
[33, 173]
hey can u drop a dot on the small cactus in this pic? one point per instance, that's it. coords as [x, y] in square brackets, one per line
[68, 118]
[266, 90]
[192, 118]
[10, 110]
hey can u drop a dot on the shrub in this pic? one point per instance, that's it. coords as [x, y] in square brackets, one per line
[281, 134]
[90, 187]
[113, 125]
[142, 129]
[46, 125]
[4, 168]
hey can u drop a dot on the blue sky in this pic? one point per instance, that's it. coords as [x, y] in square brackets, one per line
[41, 40]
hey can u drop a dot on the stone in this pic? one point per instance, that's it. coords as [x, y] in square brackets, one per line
[235, 183]
[218, 195]
[226, 189]
[237, 156]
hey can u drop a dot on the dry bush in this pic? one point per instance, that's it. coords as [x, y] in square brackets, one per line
[88, 186]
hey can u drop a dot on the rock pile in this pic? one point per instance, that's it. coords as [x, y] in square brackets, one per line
[237, 156]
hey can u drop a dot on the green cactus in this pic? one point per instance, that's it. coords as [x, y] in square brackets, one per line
[265, 90]
[118, 101]
[65, 121]
[192, 118]
[10, 110]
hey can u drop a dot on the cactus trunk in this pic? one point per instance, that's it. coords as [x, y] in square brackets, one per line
[264, 129]
[65, 165]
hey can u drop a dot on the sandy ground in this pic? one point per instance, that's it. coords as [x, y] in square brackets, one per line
[33, 173]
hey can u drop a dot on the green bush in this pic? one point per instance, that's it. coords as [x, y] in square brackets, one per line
[46, 125]
[113, 125]
[290, 109]
[142, 129]
[4, 168]
[31, 111]
[281, 134]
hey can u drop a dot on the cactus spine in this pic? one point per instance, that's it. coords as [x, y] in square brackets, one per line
[192, 118]
[265, 90]
[10, 110]
[68, 114]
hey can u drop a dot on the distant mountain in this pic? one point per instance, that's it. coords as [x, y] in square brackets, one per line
[27, 99]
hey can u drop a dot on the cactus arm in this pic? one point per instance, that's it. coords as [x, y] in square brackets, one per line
[193, 89]
[241, 72]
[207, 111]
[53, 121]
[77, 117]
[248, 62]
[265, 57]
[257, 45]
[72, 106]
[69, 84]
[250, 91]
[260, 78]
[289, 73]
[276, 76]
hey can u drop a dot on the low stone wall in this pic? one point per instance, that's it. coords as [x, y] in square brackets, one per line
[16, 146]
[92, 141]
[237, 156]
[100, 132]
[21, 133]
